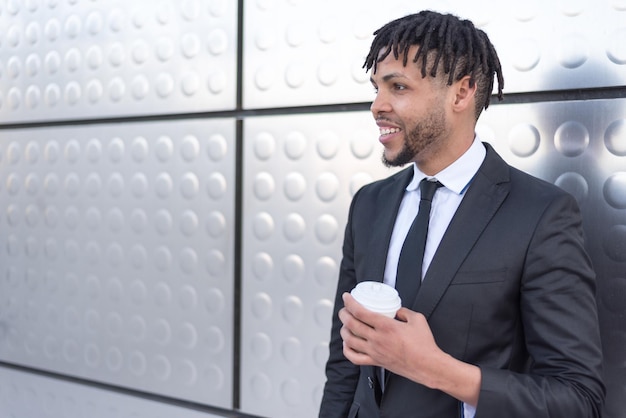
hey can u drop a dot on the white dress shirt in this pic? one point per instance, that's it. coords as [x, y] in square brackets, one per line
[455, 179]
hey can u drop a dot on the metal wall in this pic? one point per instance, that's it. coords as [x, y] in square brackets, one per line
[175, 178]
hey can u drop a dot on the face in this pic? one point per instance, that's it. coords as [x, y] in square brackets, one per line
[409, 110]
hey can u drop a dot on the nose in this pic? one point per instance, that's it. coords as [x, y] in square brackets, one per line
[380, 104]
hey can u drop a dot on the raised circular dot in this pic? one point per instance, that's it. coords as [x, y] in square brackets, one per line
[13, 183]
[215, 340]
[140, 52]
[52, 30]
[574, 184]
[524, 140]
[70, 349]
[189, 148]
[116, 150]
[294, 227]
[72, 151]
[573, 51]
[187, 297]
[73, 26]
[263, 186]
[116, 185]
[190, 84]
[115, 220]
[360, 146]
[33, 97]
[93, 218]
[527, 55]
[93, 252]
[138, 292]
[187, 336]
[217, 147]
[188, 260]
[114, 359]
[138, 220]
[52, 217]
[293, 310]
[163, 185]
[94, 23]
[262, 266]
[162, 295]
[326, 228]
[571, 138]
[52, 95]
[117, 89]
[261, 306]
[163, 259]
[94, 90]
[14, 99]
[73, 60]
[93, 150]
[217, 42]
[137, 328]
[115, 255]
[189, 45]
[264, 77]
[139, 149]
[291, 392]
[52, 62]
[265, 39]
[323, 312]
[51, 152]
[359, 180]
[295, 75]
[328, 145]
[189, 223]
[164, 149]
[216, 186]
[189, 186]
[616, 50]
[327, 187]
[214, 301]
[73, 93]
[263, 226]
[216, 81]
[161, 331]
[327, 73]
[137, 363]
[32, 33]
[33, 65]
[190, 10]
[94, 57]
[164, 85]
[164, 49]
[139, 87]
[114, 324]
[116, 54]
[264, 146]
[295, 145]
[114, 290]
[163, 222]
[615, 138]
[294, 186]
[93, 185]
[615, 243]
[116, 20]
[293, 268]
[291, 351]
[216, 224]
[261, 346]
[214, 377]
[216, 263]
[72, 184]
[325, 271]
[613, 190]
[261, 386]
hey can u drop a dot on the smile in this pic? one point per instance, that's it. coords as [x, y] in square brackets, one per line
[388, 131]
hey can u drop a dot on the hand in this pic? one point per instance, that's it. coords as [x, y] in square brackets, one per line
[400, 345]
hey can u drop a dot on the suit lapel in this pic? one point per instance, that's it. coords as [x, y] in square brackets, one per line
[488, 190]
[383, 227]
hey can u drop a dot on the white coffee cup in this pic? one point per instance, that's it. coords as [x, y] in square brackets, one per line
[377, 297]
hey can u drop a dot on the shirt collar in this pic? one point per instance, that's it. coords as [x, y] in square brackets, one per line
[457, 176]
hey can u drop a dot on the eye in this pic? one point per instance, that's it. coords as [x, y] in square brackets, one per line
[399, 87]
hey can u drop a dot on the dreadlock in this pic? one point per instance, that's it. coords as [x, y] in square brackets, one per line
[443, 39]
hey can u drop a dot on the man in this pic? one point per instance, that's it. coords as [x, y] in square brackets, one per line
[504, 321]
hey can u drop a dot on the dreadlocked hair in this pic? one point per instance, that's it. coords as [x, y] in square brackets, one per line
[443, 39]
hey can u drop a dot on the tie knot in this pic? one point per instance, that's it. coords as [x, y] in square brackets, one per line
[428, 188]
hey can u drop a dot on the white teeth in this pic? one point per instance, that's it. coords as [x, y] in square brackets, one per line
[387, 131]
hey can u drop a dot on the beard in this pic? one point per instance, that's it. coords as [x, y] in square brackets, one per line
[422, 136]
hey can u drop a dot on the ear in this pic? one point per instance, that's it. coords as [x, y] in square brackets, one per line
[464, 91]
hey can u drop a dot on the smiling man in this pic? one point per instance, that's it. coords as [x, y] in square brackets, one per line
[499, 319]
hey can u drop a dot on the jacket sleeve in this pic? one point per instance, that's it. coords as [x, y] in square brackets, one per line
[560, 321]
[341, 375]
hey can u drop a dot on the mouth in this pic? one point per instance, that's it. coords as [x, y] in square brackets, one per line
[386, 133]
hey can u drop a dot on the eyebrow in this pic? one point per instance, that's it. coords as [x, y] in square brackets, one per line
[390, 76]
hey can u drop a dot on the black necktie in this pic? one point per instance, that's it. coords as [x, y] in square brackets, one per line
[409, 275]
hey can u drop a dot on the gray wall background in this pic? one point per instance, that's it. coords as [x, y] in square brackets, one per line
[175, 178]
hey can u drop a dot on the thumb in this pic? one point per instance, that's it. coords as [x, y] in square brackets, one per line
[403, 314]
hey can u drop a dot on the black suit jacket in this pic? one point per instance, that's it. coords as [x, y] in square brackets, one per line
[510, 289]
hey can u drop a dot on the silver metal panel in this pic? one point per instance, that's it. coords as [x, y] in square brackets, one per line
[79, 59]
[28, 395]
[311, 52]
[581, 146]
[116, 253]
[300, 173]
